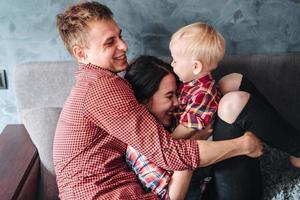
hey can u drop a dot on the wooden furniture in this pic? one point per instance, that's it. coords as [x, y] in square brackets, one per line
[19, 174]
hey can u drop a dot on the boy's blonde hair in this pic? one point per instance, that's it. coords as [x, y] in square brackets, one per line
[73, 26]
[202, 42]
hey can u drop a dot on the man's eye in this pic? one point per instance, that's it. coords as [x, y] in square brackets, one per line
[109, 43]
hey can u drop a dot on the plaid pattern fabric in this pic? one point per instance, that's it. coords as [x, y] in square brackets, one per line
[152, 177]
[99, 119]
[198, 101]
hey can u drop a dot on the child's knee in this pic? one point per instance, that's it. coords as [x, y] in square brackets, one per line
[231, 105]
[230, 82]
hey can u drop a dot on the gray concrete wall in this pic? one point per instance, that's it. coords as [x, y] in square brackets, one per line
[28, 33]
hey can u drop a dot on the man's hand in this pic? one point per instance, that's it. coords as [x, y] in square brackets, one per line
[253, 145]
[211, 152]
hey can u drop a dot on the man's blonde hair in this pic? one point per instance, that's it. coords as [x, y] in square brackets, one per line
[73, 26]
[202, 42]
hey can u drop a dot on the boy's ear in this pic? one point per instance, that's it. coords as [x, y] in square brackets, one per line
[197, 67]
[79, 53]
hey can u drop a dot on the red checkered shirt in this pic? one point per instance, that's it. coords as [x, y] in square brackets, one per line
[198, 100]
[99, 119]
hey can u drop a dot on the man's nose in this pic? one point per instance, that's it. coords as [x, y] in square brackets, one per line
[122, 45]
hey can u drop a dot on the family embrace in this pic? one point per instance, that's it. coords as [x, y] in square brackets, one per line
[146, 135]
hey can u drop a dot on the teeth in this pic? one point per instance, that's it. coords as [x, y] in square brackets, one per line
[121, 57]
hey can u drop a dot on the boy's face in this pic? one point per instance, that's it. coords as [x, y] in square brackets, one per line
[182, 64]
[105, 46]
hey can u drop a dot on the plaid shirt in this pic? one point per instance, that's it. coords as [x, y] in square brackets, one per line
[198, 100]
[152, 177]
[99, 119]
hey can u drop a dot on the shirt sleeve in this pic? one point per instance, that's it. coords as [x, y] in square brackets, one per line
[152, 177]
[111, 105]
[200, 110]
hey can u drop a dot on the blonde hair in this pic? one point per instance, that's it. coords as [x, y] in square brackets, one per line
[201, 41]
[73, 26]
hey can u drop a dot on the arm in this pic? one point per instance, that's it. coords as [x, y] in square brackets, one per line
[214, 151]
[179, 184]
[203, 134]
[157, 179]
[149, 174]
[182, 132]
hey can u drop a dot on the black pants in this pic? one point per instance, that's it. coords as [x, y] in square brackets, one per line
[239, 178]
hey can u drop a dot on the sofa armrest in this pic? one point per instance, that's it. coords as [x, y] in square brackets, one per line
[19, 168]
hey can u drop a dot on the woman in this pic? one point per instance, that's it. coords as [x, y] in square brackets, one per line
[237, 178]
[154, 85]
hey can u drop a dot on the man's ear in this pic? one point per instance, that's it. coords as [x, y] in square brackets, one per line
[79, 53]
[197, 67]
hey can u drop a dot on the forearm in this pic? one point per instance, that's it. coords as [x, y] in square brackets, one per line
[215, 151]
[182, 132]
[212, 152]
[149, 174]
[179, 184]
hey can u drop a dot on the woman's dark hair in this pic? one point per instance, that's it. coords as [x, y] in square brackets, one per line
[145, 74]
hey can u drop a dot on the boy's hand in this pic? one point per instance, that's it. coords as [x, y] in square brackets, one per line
[203, 134]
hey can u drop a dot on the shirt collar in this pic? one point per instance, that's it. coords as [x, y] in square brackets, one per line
[94, 67]
[202, 80]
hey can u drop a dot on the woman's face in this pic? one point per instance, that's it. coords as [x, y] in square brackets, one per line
[164, 101]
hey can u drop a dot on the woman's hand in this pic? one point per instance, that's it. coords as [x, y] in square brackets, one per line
[253, 145]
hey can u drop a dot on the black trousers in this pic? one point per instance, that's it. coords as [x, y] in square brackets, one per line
[239, 178]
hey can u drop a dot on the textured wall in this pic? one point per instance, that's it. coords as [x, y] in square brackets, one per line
[28, 33]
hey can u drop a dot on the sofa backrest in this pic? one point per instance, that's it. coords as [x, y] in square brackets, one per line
[43, 84]
[47, 84]
[276, 76]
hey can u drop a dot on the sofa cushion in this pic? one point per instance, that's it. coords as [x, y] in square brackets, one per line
[41, 124]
